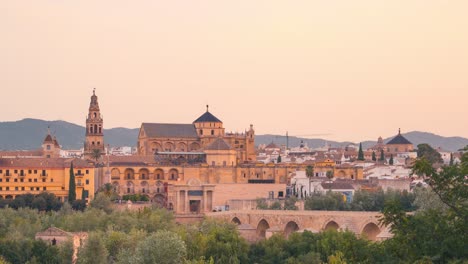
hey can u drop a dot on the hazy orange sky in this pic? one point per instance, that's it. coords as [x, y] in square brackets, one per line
[352, 69]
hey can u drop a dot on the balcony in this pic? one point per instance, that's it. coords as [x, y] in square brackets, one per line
[79, 184]
[44, 174]
[79, 174]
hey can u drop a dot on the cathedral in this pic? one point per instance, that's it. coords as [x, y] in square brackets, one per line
[188, 168]
[206, 134]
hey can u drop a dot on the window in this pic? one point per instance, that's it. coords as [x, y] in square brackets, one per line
[212, 132]
[1, 171]
[35, 171]
[0, 188]
[21, 180]
[1, 179]
[7, 180]
[32, 188]
[143, 190]
[92, 143]
[37, 188]
[87, 181]
[16, 188]
[43, 180]
[30, 180]
[87, 171]
[7, 188]
[79, 172]
[280, 194]
[16, 180]
[29, 171]
[22, 188]
[201, 131]
[48, 147]
[44, 173]
[35, 180]
[51, 179]
[7, 172]
[44, 188]
[16, 171]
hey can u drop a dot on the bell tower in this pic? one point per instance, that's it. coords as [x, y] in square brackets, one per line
[94, 130]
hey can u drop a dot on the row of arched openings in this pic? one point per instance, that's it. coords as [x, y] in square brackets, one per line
[144, 174]
[370, 230]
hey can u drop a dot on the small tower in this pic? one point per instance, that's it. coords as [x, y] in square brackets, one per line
[94, 129]
[50, 146]
[250, 144]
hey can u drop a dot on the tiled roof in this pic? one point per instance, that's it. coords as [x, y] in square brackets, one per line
[159, 130]
[399, 139]
[42, 163]
[218, 144]
[21, 153]
[131, 160]
[207, 117]
[48, 138]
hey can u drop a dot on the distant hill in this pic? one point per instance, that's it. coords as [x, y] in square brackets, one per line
[29, 133]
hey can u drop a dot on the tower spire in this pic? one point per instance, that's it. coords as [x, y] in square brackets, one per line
[399, 131]
[207, 108]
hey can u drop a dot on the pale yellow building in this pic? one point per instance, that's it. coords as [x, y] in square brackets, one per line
[35, 175]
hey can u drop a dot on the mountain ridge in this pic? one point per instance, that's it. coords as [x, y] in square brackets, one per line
[28, 133]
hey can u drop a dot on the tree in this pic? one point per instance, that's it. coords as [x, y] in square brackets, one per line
[451, 159]
[93, 251]
[279, 159]
[261, 204]
[72, 186]
[382, 155]
[436, 231]
[330, 174]
[374, 158]
[309, 173]
[161, 247]
[102, 202]
[427, 152]
[360, 153]
[290, 203]
[96, 154]
[391, 160]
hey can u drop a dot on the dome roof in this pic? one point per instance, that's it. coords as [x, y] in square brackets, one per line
[207, 117]
[399, 140]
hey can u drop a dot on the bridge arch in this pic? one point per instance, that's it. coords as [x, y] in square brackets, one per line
[370, 231]
[331, 225]
[290, 227]
[262, 227]
[236, 221]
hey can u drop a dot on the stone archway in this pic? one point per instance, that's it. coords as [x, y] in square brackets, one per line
[194, 146]
[331, 225]
[144, 174]
[262, 227]
[290, 227]
[236, 221]
[182, 147]
[115, 174]
[158, 174]
[370, 231]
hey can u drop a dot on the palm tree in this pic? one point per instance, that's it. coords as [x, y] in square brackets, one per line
[96, 154]
[309, 174]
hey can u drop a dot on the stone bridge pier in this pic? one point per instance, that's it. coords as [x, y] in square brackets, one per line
[255, 225]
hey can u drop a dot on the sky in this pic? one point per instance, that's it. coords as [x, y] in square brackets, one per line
[339, 70]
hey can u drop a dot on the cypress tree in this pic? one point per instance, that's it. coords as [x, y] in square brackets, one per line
[360, 153]
[72, 186]
[451, 159]
[374, 158]
[391, 160]
[382, 156]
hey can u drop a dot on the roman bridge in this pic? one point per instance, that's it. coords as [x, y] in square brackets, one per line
[255, 225]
